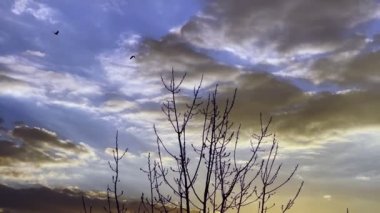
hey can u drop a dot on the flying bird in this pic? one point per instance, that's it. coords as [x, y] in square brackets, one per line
[56, 32]
[132, 57]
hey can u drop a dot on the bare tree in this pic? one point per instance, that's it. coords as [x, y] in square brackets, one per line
[117, 156]
[269, 176]
[155, 201]
[150, 174]
[113, 192]
[227, 182]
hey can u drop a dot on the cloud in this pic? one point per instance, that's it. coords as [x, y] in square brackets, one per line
[329, 115]
[119, 105]
[35, 53]
[54, 93]
[299, 117]
[363, 178]
[155, 58]
[26, 151]
[172, 52]
[14, 87]
[355, 70]
[327, 197]
[139, 80]
[271, 31]
[39, 11]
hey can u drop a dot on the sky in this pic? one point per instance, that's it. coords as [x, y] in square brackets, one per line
[312, 65]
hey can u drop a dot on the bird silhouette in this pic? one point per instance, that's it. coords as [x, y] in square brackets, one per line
[56, 32]
[132, 57]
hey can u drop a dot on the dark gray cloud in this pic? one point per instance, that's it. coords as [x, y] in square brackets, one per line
[172, 52]
[304, 118]
[359, 70]
[28, 152]
[37, 146]
[328, 113]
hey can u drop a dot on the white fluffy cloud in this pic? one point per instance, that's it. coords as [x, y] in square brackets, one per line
[39, 11]
[35, 53]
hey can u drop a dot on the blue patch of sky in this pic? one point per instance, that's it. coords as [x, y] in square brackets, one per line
[370, 28]
[87, 29]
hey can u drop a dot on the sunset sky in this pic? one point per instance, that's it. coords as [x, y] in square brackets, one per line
[311, 64]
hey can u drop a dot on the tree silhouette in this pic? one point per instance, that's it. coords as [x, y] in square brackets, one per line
[114, 198]
[208, 176]
[117, 156]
